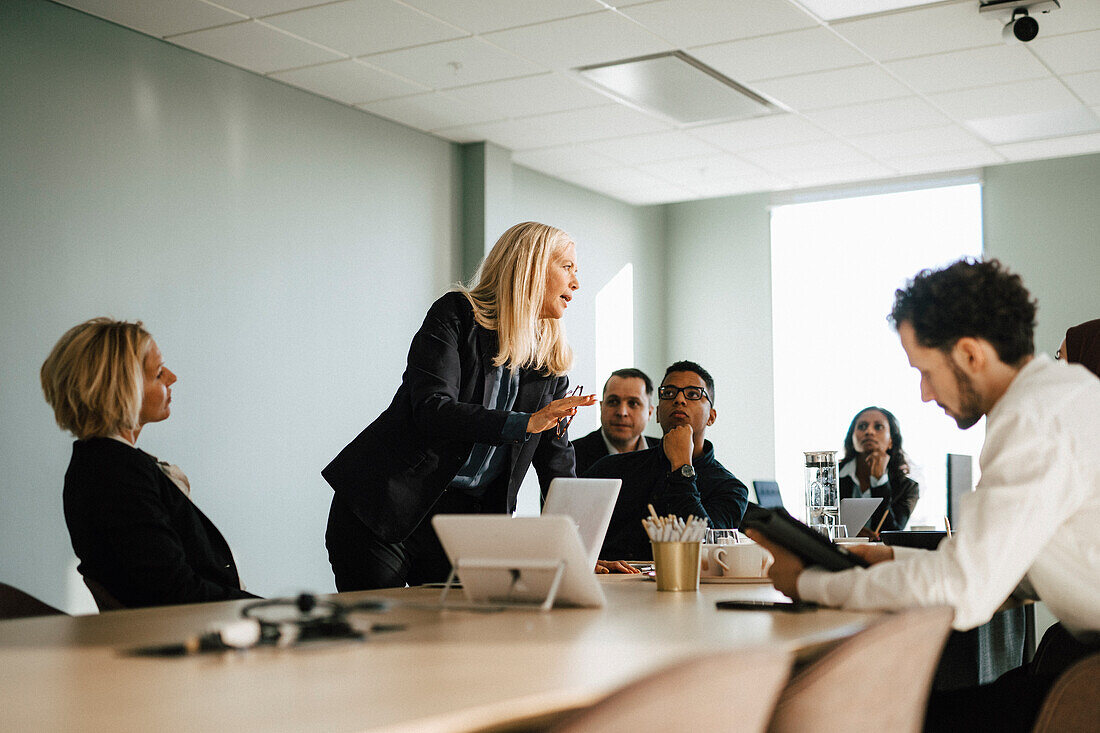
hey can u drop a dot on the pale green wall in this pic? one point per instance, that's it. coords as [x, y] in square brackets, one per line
[281, 248]
[1043, 220]
[718, 265]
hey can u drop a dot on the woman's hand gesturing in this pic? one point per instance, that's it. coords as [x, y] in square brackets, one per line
[548, 417]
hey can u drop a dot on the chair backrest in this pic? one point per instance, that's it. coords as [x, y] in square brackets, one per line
[728, 691]
[1073, 703]
[767, 494]
[14, 603]
[877, 680]
[104, 601]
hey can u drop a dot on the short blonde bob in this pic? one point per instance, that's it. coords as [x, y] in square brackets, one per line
[94, 377]
[507, 293]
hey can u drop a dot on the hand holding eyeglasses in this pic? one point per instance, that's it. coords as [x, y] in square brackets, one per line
[559, 413]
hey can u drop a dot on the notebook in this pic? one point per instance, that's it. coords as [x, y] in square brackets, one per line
[854, 513]
[590, 503]
[505, 560]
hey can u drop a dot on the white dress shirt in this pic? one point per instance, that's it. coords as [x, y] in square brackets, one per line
[1032, 524]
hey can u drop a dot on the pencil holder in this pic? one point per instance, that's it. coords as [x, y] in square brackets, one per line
[676, 564]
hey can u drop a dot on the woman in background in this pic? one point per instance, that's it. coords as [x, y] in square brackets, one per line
[1082, 346]
[484, 396]
[874, 465]
[130, 517]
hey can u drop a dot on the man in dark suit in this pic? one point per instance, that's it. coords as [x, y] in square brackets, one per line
[625, 410]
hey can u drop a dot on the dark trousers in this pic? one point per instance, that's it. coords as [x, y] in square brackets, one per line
[1011, 702]
[362, 561]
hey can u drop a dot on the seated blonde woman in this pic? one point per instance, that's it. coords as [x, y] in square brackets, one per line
[130, 517]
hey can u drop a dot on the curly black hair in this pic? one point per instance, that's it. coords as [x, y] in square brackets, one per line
[969, 298]
[690, 366]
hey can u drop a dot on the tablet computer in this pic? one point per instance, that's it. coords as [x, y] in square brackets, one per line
[514, 561]
[590, 502]
[808, 545]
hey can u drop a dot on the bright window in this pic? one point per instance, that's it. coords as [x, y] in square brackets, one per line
[835, 267]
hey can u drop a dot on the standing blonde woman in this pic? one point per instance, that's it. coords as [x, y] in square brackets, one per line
[484, 396]
[130, 517]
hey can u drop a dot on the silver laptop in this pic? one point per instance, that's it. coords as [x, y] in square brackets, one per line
[590, 503]
[854, 513]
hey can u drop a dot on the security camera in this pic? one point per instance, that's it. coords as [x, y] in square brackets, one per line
[1021, 29]
[1017, 17]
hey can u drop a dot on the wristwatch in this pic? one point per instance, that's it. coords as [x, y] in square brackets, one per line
[686, 470]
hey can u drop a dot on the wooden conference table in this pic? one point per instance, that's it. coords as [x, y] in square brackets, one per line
[445, 671]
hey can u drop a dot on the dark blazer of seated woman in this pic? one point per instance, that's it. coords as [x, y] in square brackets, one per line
[873, 451]
[138, 534]
[132, 523]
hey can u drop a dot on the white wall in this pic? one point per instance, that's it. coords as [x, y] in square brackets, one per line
[281, 249]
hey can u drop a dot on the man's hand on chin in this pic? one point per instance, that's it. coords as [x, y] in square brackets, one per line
[785, 568]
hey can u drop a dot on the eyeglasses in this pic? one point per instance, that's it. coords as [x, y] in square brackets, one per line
[563, 423]
[668, 392]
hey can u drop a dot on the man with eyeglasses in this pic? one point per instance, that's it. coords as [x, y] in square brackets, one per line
[625, 409]
[677, 476]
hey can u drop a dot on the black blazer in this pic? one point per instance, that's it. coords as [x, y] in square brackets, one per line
[137, 534]
[901, 494]
[591, 448]
[392, 473]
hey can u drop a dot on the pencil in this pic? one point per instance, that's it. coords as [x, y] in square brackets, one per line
[882, 521]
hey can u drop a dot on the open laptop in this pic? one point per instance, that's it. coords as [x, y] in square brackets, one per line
[590, 503]
[503, 560]
[854, 513]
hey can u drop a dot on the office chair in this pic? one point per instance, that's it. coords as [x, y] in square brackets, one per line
[14, 603]
[728, 691]
[767, 494]
[904, 646]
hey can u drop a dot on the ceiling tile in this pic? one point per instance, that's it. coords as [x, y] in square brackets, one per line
[1073, 17]
[793, 158]
[837, 88]
[563, 158]
[1070, 54]
[158, 18]
[260, 8]
[942, 162]
[652, 147]
[1086, 86]
[427, 111]
[926, 141]
[349, 82]
[595, 123]
[580, 41]
[1035, 125]
[693, 171]
[453, 63]
[482, 16]
[530, 95]
[611, 178]
[908, 113]
[1023, 97]
[1057, 148]
[254, 46]
[358, 27]
[784, 54]
[970, 68]
[921, 31]
[831, 175]
[698, 22]
[761, 132]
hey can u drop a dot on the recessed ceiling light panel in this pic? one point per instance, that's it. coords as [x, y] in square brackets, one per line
[678, 87]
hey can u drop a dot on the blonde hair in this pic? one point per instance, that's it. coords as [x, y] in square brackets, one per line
[507, 293]
[94, 377]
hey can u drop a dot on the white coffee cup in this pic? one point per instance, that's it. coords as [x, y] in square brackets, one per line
[713, 561]
[747, 560]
